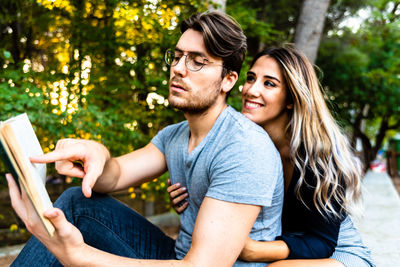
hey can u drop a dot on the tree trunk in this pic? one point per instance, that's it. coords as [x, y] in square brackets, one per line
[15, 50]
[310, 27]
[109, 53]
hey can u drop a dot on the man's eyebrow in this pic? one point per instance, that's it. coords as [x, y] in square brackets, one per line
[197, 53]
[265, 76]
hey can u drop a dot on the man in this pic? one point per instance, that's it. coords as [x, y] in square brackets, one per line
[229, 165]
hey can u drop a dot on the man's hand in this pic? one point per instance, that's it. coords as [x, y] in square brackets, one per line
[68, 152]
[67, 242]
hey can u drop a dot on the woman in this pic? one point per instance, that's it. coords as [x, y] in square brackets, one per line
[322, 177]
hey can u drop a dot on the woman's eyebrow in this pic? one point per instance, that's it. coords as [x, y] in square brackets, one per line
[265, 76]
[272, 78]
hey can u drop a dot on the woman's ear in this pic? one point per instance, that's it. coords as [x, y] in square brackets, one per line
[229, 81]
[290, 106]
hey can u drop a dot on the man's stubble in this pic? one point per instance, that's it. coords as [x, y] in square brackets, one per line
[197, 103]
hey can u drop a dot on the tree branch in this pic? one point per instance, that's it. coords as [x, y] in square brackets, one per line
[381, 134]
[394, 126]
[393, 12]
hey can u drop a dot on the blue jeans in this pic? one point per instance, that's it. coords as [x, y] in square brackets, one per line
[106, 224]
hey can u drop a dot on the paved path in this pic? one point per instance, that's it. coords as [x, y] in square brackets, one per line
[380, 225]
[7, 254]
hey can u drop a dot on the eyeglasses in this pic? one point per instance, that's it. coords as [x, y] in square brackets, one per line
[193, 61]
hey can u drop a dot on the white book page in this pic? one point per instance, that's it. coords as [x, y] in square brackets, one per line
[30, 146]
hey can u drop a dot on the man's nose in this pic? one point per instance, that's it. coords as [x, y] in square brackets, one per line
[180, 68]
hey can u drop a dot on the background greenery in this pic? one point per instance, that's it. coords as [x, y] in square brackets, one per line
[94, 69]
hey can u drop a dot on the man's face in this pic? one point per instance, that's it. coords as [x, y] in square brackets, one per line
[194, 92]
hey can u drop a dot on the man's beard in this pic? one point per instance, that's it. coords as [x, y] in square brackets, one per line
[196, 104]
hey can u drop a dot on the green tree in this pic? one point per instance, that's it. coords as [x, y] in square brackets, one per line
[95, 69]
[361, 72]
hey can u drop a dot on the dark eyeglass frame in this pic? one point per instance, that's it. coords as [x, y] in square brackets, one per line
[190, 61]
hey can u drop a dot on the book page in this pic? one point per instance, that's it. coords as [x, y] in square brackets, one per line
[29, 146]
[28, 141]
[21, 143]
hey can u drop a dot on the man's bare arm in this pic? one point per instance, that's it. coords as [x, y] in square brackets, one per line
[132, 169]
[220, 232]
[99, 170]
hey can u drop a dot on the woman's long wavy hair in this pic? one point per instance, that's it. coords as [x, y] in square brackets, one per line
[317, 142]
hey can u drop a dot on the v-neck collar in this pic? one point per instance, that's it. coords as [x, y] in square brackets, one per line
[209, 135]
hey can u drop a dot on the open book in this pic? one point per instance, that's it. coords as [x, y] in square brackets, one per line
[18, 142]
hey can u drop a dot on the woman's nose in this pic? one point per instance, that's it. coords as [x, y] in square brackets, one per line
[253, 90]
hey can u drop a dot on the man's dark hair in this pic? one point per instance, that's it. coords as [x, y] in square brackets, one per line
[223, 37]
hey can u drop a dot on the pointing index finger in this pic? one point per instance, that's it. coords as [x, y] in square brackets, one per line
[56, 155]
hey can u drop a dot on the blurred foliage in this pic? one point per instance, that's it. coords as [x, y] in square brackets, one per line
[362, 75]
[89, 69]
[94, 69]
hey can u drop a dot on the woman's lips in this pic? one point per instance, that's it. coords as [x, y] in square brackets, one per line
[252, 105]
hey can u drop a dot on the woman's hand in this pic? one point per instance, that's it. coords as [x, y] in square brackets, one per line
[177, 196]
[248, 252]
[264, 251]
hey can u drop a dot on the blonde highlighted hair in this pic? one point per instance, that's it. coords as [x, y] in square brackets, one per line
[316, 141]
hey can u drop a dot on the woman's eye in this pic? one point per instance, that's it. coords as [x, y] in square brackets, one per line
[269, 84]
[249, 78]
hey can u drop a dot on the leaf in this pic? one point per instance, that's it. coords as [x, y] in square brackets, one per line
[6, 54]
[8, 107]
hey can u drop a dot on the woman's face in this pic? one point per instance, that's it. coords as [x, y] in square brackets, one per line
[264, 96]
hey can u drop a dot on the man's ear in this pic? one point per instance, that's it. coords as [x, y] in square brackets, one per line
[229, 81]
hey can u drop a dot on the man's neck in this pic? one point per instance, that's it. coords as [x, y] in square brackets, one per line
[200, 124]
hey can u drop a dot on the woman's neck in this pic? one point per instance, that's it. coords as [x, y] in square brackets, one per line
[281, 141]
[278, 135]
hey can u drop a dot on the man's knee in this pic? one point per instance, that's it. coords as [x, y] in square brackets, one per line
[71, 195]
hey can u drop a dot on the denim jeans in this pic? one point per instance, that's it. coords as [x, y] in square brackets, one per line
[106, 224]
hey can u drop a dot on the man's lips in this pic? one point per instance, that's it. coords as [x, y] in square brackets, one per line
[252, 104]
[177, 87]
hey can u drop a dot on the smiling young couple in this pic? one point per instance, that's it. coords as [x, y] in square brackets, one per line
[229, 166]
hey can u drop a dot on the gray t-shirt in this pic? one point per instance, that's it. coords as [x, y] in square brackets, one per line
[235, 162]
